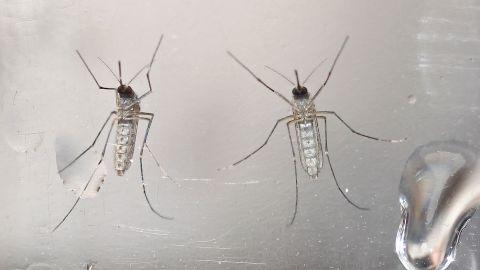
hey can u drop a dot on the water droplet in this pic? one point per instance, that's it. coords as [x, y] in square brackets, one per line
[412, 99]
[439, 191]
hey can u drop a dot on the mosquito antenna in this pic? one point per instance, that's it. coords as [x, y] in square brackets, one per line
[298, 81]
[113, 73]
[149, 65]
[120, 71]
[313, 71]
[258, 79]
[331, 70]
[278, 73]
[91, 73]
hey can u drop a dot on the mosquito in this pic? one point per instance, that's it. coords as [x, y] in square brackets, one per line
[126, 117]
[305, 120]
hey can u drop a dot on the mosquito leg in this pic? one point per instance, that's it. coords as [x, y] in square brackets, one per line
[149, 118]
[93, 143]
[331, 168]
[89, 180]
[296, 176]
[261, 146]
[258, 79]
[329, 72]
[106, 140]
[148, 72]
[93, 76]
[320, 147]
[164, 172]
[320, 114]
[76, 202]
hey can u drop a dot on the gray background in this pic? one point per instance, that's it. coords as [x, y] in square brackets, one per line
[410, 69]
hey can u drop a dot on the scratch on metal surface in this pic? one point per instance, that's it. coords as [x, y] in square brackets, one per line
[243, 183]
[233, 262]
[219, 248]
[131, 261]
[146, 231]
[14, 97]
[213, 240]
[434, 20]
[198, 179]
[241, 222]
[448, 37]
[441, 20]
[443, 66]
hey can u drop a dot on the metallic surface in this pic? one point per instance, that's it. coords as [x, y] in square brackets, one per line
[411, 68]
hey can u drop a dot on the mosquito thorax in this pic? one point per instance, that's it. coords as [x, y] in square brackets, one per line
[300, 92]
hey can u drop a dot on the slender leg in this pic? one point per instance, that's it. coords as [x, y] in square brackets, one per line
[106, 140]
[148, 76]
[93, 143]
[164, 172]
[258, 79]
[261, 146]
[149, 118]
[296, 176]
[93, 76]
[331, 168]
[89, 180]
[148, 72]
[329, 72]
[321, 114]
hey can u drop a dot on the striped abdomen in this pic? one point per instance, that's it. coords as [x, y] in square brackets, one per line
[125, 144]
[309, 146]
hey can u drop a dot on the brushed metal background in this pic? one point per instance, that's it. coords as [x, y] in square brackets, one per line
[410, 69]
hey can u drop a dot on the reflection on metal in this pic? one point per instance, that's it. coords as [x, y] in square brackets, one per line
[439, 192]
[126, 116]
[305, 120]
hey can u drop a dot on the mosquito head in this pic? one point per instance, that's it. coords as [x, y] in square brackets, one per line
[125, 91]
[299, 91]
